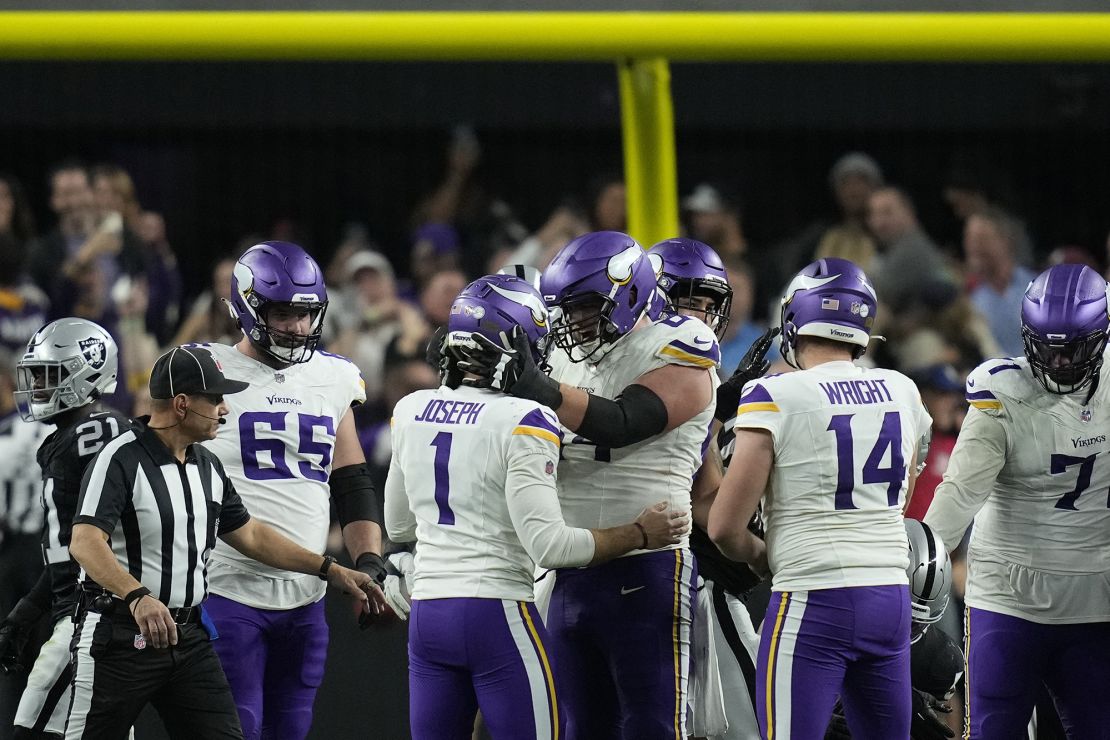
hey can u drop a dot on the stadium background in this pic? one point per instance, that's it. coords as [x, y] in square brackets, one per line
[226, 148]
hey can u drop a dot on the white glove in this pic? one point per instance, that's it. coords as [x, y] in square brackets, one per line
[398, 583]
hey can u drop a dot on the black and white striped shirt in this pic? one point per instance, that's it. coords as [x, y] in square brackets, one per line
[162, 517]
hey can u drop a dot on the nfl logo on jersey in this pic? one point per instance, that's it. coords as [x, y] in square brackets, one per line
[1085, 415]
[140, 642]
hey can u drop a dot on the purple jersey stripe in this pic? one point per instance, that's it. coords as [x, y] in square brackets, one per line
[981, 396]
[535, 418]
[712, 352]
[757, 394]
[1000, 368]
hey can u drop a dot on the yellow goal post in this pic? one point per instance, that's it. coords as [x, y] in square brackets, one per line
[640, 43]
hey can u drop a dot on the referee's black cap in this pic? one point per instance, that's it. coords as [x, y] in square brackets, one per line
[192, 371]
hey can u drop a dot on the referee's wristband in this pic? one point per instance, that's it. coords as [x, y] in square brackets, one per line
[135, 595]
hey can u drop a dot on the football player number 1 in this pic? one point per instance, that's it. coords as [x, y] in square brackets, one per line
[442, 443]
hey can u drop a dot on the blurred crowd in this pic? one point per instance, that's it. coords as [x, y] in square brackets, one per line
[944, 307]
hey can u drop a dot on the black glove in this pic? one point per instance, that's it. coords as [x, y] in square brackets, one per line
[752, 365]
[924, 723]
[15, 632]
[511, 371]
[838, 729]
[433, 354]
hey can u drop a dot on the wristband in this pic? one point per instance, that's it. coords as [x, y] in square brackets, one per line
[135, 595]
[325, 566]
[643, 532]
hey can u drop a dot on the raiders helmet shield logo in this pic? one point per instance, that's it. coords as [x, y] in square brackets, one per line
[94, 351]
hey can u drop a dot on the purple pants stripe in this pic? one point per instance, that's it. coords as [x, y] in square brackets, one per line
[274, 661]
[1009, 659]
[468, 653]
[846, 642]
[621, 643]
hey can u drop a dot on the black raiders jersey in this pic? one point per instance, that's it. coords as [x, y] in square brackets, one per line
[63, 457]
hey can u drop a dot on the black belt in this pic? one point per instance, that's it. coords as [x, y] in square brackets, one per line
[117, 607]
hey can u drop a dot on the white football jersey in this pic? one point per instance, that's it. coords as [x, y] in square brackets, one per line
[601, 487]
[277, 449]
[844, 441]
[1033, 469]
[466, 463]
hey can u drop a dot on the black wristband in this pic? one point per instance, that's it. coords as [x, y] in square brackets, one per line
[135, 595]
[326, 566]
[643, 532]
[373, 565]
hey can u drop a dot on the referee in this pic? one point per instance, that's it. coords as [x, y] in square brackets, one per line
[152, 504]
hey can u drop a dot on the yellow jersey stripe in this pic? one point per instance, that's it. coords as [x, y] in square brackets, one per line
[772, 659]
[674, 643]
[687, 357]
[967, 672]
[758, 406]
[996, 405]
[537, 432]
[548, 679]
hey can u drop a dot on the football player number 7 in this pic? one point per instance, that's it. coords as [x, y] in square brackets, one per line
[1058, 464]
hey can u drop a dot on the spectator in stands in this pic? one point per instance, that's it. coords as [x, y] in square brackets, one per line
[209, 319]
[990, 238]
[714, 218]
[144, 232]
[910, 267]
[22, 305]
[974, 184]
[853, 179]
[435, 308]
[435, 247]
[942, 392]
[78, 262]
[608, 203]
[741, 331]
[16, 218]
[370, 317]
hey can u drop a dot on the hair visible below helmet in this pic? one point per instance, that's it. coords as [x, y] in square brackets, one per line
[273, 273]
[69, 363]
[832, 299]
[597, 287]
[1064, 319]
[686, 269]
[494, 306]
[930, 574]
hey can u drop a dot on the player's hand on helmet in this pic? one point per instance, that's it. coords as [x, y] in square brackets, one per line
[360, 587]
[398, 583]
[662, 525]
[752, 365]
[513, 371]
[155, 621]
[925, 724]
[16, 630]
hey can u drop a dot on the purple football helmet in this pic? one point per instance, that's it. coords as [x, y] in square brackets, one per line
[278, 274]
[493, 306]
[832, 299]
[688, 270]
[1064, 320]
[597, 287]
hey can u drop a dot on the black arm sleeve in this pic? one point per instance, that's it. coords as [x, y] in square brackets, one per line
[40, 593]
[636, 415]
[354, 495]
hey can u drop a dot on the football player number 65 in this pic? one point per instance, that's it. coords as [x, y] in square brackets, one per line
[251, 422]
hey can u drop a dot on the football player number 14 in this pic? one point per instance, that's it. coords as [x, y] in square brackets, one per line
[890, 438]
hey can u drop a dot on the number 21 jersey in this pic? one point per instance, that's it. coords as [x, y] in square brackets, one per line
[844, 440]
[277, 448]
